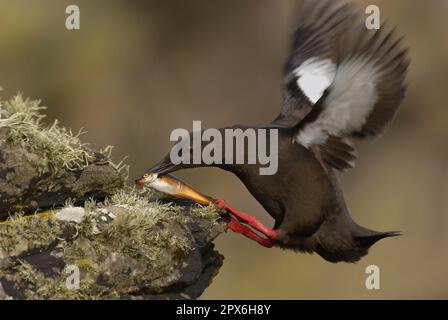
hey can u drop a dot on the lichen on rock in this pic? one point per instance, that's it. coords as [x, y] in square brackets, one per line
[43, 166]
[66, 215]
[133, 250]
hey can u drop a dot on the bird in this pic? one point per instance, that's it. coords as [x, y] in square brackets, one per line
[341, 81]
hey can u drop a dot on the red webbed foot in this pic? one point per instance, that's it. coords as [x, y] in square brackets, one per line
[238, 227]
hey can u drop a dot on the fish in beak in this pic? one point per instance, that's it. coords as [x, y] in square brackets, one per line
[173, 186]
[146, 179]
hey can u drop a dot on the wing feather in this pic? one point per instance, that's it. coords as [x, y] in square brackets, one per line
[364, 96]
[310, 67]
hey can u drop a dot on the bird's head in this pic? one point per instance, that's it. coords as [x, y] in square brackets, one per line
[227, 148]
[185, 154]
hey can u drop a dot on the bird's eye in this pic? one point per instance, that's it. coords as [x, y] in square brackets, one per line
[145, 175]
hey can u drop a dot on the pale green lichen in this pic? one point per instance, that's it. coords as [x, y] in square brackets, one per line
[58, 148]
[121, 166]
[42, 287]
[206, 212]
[150, 238]
[137, 197]
[130, 197]
[32, 231]
[135, 232]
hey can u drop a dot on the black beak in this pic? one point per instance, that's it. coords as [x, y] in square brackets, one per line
[163, 167]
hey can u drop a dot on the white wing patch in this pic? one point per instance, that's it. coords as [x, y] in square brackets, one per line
[351, 98]
[314, 76]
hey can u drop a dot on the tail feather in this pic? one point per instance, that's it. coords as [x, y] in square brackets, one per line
[362, 240]
[370, 237]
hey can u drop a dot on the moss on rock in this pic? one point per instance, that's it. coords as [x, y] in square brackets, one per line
[124, 247]
[125, 243]
[43, 166]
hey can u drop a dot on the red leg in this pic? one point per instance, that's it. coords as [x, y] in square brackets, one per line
[252, 221]
[238, 227]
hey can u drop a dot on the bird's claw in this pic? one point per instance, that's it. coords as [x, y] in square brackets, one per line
[236, 225]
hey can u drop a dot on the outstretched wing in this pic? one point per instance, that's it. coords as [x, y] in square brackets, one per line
[364, 96]
[311, 66]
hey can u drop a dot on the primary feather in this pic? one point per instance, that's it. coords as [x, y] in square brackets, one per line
[367, 69]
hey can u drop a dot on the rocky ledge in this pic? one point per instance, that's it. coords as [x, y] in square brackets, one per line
[71, 229]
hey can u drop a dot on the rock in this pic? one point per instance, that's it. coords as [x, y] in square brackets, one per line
[118, 245]
[136, 252]
[23, 187]
[71, 214]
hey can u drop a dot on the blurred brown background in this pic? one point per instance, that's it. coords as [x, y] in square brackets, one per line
[137, 70]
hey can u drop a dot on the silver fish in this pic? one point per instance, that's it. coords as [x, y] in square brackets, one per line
[173, 186]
